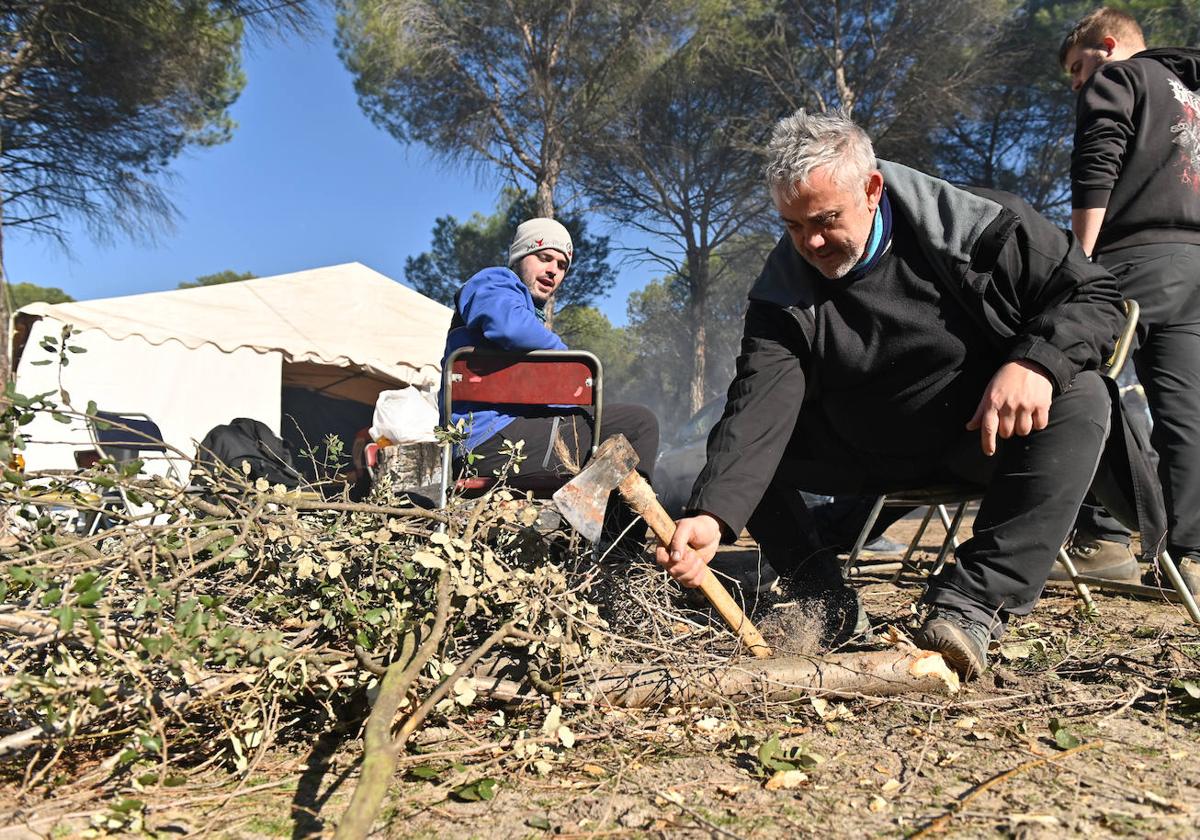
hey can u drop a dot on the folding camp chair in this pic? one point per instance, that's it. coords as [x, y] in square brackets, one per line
[538, 377]
[123, 437]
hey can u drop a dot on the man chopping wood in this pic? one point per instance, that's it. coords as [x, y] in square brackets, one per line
[907, 333]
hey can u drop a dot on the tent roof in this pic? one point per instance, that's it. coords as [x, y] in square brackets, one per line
[344, 315]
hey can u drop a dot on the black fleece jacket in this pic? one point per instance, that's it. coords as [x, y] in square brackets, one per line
[1024, 283]
[1137, 149]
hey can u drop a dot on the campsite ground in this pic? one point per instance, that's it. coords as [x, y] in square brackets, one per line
[1080, 727]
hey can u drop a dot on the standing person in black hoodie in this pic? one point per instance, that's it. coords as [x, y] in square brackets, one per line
[1135, 197]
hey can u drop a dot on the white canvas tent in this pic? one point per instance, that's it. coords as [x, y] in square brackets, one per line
[194, 358]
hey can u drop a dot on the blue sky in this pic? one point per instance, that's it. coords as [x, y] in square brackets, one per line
[306, 181]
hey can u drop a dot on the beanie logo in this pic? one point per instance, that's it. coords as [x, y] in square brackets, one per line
[539, 242]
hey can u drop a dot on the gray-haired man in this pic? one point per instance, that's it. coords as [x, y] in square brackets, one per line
[905, 332]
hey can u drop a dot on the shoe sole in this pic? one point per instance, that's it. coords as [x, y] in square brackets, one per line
[954, 645]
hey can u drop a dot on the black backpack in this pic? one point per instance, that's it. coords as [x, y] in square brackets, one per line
[253, 442]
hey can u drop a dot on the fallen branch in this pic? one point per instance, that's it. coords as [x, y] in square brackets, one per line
[379, 758]
[944, 820]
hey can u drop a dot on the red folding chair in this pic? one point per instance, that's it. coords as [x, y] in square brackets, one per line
[536, 377]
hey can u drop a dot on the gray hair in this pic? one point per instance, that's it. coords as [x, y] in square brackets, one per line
[804, 142]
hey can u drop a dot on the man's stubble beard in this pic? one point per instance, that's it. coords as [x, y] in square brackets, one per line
[843, 268]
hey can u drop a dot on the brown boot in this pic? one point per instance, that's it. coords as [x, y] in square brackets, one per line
[1099, 558]
[1189, 570]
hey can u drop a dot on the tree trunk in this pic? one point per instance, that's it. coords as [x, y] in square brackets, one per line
[544, 207]
[698, 316]
[6, 372]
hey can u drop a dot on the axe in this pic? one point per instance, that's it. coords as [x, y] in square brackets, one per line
[584, 498]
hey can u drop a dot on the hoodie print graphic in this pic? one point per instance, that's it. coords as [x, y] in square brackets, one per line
[1187, 133]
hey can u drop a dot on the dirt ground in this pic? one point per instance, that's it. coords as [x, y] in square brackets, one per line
[1075, 730]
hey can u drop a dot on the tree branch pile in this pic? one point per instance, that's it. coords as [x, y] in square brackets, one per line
[200, 627]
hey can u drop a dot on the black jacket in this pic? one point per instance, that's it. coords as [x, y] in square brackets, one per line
[1023, 281]
[1137, 149]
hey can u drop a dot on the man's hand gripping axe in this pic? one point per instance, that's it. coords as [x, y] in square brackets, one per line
[583, 501]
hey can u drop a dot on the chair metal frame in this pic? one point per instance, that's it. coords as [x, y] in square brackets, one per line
[936, 500]
[499, 377]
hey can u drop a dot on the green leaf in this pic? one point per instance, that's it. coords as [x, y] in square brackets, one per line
[60, 417]
[131, 468]
[767, 751]
[52, 597]
[66, 618]
[126, 806]
[97, 697]
[1063, 737]
[375, 616]
[426, 772]
[481, 789]
[89, 598]
[84, 582]
[539, 822]
[1189, 687]
[13, 477]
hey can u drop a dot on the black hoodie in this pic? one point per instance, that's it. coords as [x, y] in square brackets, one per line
[1137, 148]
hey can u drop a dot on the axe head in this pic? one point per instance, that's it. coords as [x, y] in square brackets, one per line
[583, 499]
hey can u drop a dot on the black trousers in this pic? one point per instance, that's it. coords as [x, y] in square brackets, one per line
[1032, 489]
[636, 422]
[1165, 281]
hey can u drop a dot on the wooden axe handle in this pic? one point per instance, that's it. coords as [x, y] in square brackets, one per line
[641, 498]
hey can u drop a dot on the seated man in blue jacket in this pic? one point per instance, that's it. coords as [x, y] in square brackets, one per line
[504, 308]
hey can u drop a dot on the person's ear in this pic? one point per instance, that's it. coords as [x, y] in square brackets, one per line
[874, 189]
[1109, 44]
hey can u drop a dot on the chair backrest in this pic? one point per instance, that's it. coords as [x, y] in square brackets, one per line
[536, 377]
[539, 377]
[124, 435]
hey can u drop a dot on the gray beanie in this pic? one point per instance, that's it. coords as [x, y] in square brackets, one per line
[535, 235]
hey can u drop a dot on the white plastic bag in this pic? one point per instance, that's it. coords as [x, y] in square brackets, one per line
[405, 416]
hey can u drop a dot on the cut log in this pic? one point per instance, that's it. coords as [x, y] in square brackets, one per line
[873, 674]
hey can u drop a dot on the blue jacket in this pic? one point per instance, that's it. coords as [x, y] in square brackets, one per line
[494, 309]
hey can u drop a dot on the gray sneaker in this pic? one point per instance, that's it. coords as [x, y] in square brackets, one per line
[1099, 558]
[962, 642]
